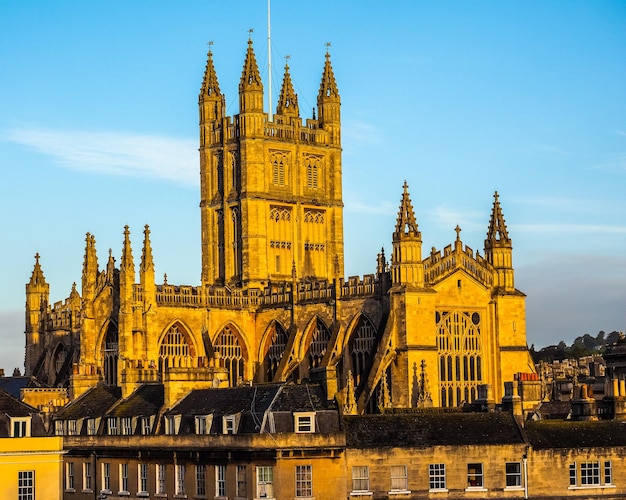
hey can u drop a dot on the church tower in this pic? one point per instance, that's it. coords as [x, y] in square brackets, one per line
[37, 297]
[406, 263]
[271, 196]
[499, 249]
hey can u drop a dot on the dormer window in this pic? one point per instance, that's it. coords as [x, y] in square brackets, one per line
[172, 423]
[304, 422]
[91, 426]
[203, 424]
[127, 426]
[20, 427]
[71, 428]
[146, 428]
[112, 426]
[229, 424]
[58, 428]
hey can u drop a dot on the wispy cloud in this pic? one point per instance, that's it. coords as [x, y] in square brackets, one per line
[115, 153]
[569, 228]
[357, 132]
[355, 205]
[616, 165]
[446, 217]
[547, 148]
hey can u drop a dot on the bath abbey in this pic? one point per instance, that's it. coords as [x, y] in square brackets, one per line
[429, 328]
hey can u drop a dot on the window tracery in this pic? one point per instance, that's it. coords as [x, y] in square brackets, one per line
[460, 356]
[232, 356]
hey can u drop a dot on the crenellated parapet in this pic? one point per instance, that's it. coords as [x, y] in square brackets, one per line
[439, 265]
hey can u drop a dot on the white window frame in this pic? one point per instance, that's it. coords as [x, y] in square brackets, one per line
[513, 476]
[399, 479]
[69, 477]
[200, 480]
[87, 477]
[229, 424]
[142, 480]
[26, 485]
[20, 426]
[145, 426]
[59, 428]
[437, 477]
[264, 481]
[180, 479]
[304, 481]
[304, 422]
[360, 480]
[202, 426]
[72, 429]
[112, 426]
[126, 426]
[91, 427]
[106, 478]
[124, 480]
[161, 481]
[220, 481]
[475, 470]
[590, 474]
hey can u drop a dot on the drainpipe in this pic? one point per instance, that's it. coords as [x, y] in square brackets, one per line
[525, 461]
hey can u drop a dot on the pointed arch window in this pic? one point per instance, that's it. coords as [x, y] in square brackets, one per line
[275, 351]
[460, 356]
[318, 345]
[278, 171]
[175, 348]
[360, 345]
[232, 355]
[110, 354]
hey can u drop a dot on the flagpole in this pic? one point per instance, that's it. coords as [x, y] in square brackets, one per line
[269, 64]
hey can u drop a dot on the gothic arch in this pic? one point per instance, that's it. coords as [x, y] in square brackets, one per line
[109, 352]
[231, 346]
[272, 349]
[314, 344]
[176, 347]
[358, 346]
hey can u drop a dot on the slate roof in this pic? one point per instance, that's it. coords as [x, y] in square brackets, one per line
[13, 385]
[303, 397]
[93, 403]
[144, 401]
[567, 434]
[431, 428]
[13, 407]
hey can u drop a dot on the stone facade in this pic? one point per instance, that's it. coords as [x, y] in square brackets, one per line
[273, 303]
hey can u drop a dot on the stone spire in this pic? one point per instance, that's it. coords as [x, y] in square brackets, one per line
[250, 85]
[406, 225]
[288, 99]
[37, 278]
[499, 249]
[210, 100]
[497, 231]
[127, 264]
[147, 263]
[406, 260]
[329, 104]
[90, 268]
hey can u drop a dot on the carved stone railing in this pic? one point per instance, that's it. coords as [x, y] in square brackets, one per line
[438, 266]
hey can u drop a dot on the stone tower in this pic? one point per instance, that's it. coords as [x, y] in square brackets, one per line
[271, 196]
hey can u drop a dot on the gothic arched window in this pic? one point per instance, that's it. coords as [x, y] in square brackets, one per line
[360, 345]
[460, 356]
[232, 355]
[278, 342]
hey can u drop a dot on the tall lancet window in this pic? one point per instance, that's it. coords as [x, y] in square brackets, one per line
[275, 351]
[110, 354]
[360, 345]
[232, 355]
[460, 356]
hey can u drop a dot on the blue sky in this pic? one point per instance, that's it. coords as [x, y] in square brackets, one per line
[98, 129]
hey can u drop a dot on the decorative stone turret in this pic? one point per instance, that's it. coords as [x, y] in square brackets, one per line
[406, 262]
[37, 298]
[499, 249]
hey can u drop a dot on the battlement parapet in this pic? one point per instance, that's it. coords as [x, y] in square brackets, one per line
[440, 265]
